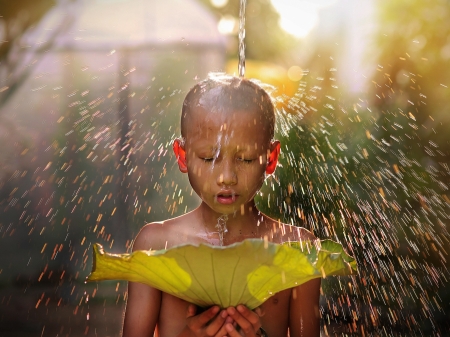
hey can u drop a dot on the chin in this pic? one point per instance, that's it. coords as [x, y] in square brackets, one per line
[227, 210]
[224, 209]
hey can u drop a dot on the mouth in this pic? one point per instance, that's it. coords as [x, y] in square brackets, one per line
[226, 197]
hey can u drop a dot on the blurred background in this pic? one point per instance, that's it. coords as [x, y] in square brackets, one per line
[90, 97]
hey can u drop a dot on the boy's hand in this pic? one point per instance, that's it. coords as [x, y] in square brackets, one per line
[209, 323]
[247, 320]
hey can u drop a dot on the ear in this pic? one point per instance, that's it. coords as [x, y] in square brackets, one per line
[180, 153]
[273, 157]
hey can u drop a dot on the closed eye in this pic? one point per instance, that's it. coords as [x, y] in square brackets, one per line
[246, 161]
[207, 160]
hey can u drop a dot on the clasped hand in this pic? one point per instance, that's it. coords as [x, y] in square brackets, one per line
[233, 321]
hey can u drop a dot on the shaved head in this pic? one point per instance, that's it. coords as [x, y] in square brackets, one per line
[228, 94]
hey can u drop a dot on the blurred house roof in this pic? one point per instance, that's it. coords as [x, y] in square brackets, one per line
[131, 24]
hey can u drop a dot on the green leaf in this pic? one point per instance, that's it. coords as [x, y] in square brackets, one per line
[248, 272]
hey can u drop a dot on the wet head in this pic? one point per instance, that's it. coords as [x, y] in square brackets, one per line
[227, 145]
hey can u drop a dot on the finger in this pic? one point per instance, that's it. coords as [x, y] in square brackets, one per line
[248, 314]
[223, 331]
[216, 324]
[207, 315]
[191, 310]
[229, 320]
[259, 311]
[247, 324]
[231, 330]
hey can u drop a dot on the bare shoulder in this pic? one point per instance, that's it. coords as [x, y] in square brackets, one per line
[282, 232]
[150, 237]
[166, 234]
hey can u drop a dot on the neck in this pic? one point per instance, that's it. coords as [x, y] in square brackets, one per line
[242, 222]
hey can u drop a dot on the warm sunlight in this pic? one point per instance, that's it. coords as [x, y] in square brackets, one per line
[298, 17]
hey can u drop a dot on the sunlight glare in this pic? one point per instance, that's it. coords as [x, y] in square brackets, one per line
[299, 17]
[295, 73]
[228, 25]
[219, 3]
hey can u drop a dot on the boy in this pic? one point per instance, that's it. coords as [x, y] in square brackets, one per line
[227, 148]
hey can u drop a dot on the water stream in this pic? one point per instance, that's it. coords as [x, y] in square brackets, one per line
[351, 176]
[241, 65]
[94, 163]
[222, 227]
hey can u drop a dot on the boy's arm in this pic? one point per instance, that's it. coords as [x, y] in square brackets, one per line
[304, 319]
[143, 303]
[141, 314]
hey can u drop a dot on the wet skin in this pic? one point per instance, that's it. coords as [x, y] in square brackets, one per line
[226, 158]
[226, 155]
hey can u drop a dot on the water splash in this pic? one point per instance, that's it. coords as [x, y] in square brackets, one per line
[222, 227]
[351, 177]
[241, 65]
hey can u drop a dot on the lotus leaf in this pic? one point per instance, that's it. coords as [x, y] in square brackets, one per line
[247, 272]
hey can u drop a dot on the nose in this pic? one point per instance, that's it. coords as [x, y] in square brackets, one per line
[226, 173]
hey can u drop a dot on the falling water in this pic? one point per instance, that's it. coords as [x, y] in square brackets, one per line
[241, 65]
[222, 227]
[366, 188]
[347, 174]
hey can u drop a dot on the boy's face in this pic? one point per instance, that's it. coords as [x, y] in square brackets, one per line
[226, 156]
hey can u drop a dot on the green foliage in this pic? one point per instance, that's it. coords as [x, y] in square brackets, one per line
[413, 47]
